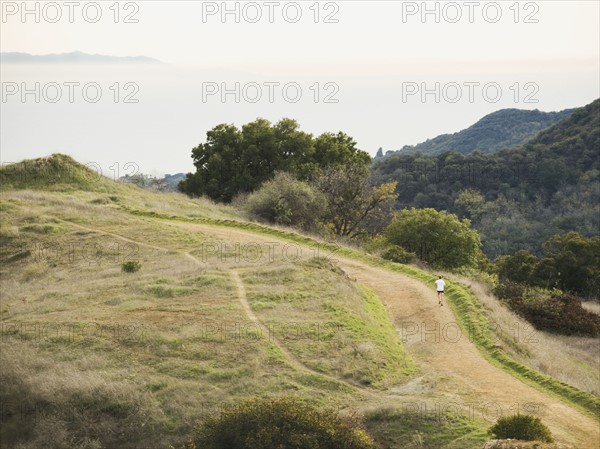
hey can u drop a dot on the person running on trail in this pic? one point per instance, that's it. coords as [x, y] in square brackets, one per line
[440, 284]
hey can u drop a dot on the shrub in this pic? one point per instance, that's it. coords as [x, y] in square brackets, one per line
[438, 238]
[131, 266]
[34, 270]
[286, 201]
[275, 424]
[550, 310]
[398, 254]
[521, 427]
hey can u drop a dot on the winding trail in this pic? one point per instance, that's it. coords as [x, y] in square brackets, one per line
[460, 372]
[431, 337]
[242, 297]
[187, 255]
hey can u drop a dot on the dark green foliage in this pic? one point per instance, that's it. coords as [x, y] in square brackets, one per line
[550, 310]
[571, 263]
[516, 268]
[501, 129]
[285, 200]
[398, 254]
[235, 161]
[576, 262]
[516, 198]
[131, 266]
[521, 427]
[438, 238]
[278, 424]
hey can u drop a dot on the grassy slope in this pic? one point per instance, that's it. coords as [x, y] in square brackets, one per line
[166, 350]
[93, 357]
[470, 313]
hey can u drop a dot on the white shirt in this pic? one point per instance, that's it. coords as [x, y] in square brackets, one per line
[440, 285]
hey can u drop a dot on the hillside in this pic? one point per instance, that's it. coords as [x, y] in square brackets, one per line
[501, 129]
[224, 310]
[516, 198]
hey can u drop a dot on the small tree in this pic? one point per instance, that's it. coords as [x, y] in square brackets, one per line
[352, 202]
[438, 238]
[470, 203]
[576, 261]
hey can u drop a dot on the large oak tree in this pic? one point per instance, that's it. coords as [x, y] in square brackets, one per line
[232, 161]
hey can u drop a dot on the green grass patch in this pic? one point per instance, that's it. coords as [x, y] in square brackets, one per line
[328, 322]
[167, 291]
[42, 228]
[384, 344]
[409, 429]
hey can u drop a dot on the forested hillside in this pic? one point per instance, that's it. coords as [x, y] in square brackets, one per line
[516, 198]
[501, 129]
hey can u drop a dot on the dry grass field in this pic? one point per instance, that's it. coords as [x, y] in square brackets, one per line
[95, 357]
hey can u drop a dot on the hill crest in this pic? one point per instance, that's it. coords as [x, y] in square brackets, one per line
[501, 129]
[57, 172]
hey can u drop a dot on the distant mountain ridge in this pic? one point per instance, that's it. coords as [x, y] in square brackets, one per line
[75, 57]
[505, 128]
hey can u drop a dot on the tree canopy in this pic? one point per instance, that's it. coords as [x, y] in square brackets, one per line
[233, 161]
[438, 238]
[571, 263]
[516, 198]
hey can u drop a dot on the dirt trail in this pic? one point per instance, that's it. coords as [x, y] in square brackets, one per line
[433, 340]
[126, 239]
[290, 358]
[463, 376]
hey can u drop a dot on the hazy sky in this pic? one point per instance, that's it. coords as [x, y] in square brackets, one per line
[361, 68]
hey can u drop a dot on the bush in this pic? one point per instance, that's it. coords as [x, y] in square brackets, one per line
[398, 254]
[438, 238]
[550, 310]
[286, 201]
[131, 266]
[276, 424]
[521, 427]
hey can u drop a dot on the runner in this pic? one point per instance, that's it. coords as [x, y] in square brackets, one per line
[440, 284]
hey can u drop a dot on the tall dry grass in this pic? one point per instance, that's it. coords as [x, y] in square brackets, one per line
[573, 360]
